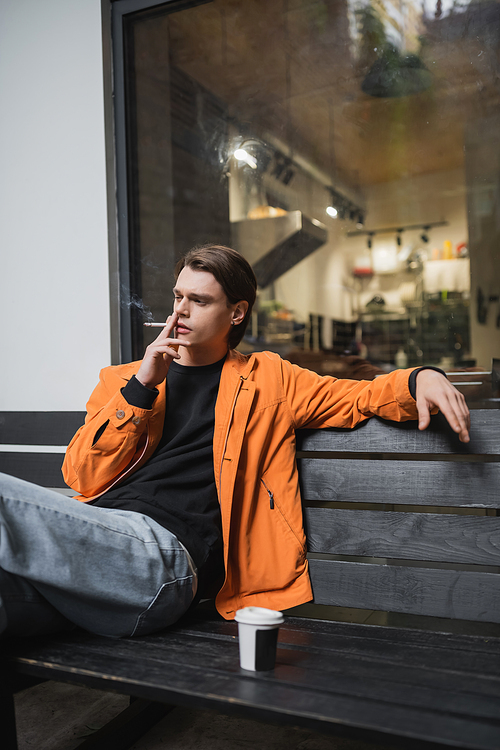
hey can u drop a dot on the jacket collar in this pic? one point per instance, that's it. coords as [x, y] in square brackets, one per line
[242, 363]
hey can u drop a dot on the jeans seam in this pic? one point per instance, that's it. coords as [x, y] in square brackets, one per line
[177, 581]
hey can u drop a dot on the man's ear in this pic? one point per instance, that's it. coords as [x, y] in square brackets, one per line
[239, 312]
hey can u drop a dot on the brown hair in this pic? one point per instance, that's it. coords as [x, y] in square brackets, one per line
[234, 274]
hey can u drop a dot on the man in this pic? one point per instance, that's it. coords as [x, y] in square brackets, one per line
[187, 465]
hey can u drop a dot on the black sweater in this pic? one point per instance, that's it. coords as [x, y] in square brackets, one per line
[176, 487]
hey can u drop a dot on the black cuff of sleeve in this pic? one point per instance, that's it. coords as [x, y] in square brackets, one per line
[412, 380]
[136, 394]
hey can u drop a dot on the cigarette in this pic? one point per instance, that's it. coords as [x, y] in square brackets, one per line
[175, 347]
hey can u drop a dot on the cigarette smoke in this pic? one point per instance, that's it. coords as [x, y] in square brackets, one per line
[129, 300]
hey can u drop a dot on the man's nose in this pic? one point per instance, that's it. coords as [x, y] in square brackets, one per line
[180, 306]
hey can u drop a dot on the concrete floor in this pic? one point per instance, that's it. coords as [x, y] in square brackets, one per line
[53, 716]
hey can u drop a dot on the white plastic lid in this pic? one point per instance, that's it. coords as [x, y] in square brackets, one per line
[259, 616]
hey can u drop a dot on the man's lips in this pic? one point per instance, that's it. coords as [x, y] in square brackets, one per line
[180, 328]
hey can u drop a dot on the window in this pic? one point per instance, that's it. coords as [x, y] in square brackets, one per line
[351, 151]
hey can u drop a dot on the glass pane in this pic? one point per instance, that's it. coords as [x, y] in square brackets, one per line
[350, 151]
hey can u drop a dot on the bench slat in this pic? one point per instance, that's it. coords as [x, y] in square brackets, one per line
[462, 595]
[333, 657]
[324, 711]
[380, 436]
[40, 468]
[39, 427]
[473, 653]
[331, 670]
[431, 700]
[430, 657]
[445, 483]
[407, 536]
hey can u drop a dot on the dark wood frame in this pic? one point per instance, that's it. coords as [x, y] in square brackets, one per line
[123, 261]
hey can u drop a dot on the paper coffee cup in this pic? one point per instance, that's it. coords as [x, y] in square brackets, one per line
[258, 635]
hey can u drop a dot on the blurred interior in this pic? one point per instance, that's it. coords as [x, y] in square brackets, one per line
[350, 151]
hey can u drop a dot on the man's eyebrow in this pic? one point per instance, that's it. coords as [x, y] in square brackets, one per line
[195, 295]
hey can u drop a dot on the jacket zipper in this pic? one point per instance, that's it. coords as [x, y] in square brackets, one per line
[271, 496]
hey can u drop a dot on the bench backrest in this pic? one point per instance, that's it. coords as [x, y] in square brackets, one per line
[397, 520]
[32, 444]
[412, 514]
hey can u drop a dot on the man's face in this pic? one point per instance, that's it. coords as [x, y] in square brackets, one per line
[202, 306]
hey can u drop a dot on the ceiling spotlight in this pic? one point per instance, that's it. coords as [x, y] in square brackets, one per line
[288, 176]
[424, 236]
[331, 211]
[398, 238]
[345, 208]
[283, 168]
[244, 156]
[369, 242]
[278, 167]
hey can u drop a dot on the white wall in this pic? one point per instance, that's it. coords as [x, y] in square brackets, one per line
[54, 288]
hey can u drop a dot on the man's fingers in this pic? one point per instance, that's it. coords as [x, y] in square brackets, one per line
[434, 390]
[171, 343]
[168, 348]
[166, 332]
[424, 415]
[457, 415]
[458, 423]
[464, 416]
[459, 418]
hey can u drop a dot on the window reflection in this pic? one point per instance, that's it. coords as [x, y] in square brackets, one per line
[349, 151]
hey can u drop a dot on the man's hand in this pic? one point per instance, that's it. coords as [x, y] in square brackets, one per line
[159, 355]
[433, 389]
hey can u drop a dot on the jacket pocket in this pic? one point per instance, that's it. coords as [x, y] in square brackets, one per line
[274, 505]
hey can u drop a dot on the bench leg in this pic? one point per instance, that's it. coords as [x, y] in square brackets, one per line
[126, 728]
[8, 722]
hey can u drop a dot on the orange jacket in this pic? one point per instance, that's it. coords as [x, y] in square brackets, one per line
[262, 400]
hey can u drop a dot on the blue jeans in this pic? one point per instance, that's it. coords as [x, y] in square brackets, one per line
[64, 562]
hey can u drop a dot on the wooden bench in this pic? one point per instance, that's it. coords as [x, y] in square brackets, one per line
[403, 528]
